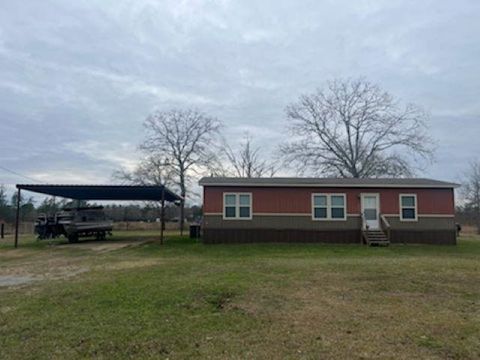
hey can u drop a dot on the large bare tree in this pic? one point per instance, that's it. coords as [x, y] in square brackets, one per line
[352, 128]
[185, 140]
[471, 191]
[246, 160]
[150, 171]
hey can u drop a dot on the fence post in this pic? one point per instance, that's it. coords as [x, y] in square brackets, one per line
[162, 220]
[17, 217]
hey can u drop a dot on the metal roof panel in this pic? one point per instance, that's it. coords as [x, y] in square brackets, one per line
[326, 182]
[103, 192]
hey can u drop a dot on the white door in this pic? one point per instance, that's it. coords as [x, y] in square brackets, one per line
[371, 209]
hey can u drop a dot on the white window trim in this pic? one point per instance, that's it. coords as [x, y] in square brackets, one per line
[237, 206]
[408, 207]
[329, 207]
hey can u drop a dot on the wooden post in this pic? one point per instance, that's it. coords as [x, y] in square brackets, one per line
[17, 217]
[2, 230]
[162, 215]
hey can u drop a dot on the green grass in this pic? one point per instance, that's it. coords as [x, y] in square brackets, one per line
[185, 299]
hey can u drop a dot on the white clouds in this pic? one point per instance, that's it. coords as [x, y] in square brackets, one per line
[16, 87]
[250, 78]
[117, 154]
[89, 73]
[73, 176]
[198, 12]
[131, 84]
[256, 131]
[165, 94]
[257, 35]
[125, 83]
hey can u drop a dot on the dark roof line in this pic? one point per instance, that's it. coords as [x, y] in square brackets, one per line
[88, 185]
[103, 192]
[327, 182]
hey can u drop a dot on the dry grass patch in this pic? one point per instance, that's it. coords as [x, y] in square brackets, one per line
[366, 314]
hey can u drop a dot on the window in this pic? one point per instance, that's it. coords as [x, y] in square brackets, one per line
[338, 206]
[328, 207]
[408, 207]
[320, 206]
[237, 206]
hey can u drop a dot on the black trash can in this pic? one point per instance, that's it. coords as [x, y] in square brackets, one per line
[194, 231]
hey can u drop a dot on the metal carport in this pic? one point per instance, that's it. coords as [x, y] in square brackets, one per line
[101, 192]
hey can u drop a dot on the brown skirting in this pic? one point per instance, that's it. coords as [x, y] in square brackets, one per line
[224, 236]
[434, 237]
[217, 236]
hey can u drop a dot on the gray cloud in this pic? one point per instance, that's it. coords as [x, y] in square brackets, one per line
[78, 78]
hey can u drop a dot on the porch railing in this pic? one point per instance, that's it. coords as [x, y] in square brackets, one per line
[385, 225]
[364, 229]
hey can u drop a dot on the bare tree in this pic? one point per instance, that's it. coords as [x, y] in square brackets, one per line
[150, 171]
[246, 160]
[471, 190]
[352, 128]
[186, 140]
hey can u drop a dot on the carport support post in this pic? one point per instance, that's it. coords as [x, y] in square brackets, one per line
[17, 217]
[162, 220]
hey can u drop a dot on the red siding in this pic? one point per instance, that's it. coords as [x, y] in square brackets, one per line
[298, 200]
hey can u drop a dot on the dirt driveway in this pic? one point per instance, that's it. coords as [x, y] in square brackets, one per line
[60, 261]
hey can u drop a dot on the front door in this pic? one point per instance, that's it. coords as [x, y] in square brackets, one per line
[371, 209]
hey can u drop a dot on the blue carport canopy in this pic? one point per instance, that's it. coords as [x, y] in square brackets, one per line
[101, 192]
[104, 192]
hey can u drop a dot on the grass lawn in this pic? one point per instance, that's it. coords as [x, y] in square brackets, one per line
[185, 299]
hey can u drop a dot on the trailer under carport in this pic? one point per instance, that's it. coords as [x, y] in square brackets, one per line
[101, 192]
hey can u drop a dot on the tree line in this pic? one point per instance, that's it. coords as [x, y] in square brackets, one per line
[8, 207]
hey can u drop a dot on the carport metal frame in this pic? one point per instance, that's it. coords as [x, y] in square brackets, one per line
[101, 192]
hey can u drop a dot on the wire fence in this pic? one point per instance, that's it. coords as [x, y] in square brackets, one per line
[27, 227]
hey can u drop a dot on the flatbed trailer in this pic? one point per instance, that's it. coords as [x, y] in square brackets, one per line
[74, 223]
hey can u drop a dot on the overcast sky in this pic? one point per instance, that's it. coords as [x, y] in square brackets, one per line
[77, 78]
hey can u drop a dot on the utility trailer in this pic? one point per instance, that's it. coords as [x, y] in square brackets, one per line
[74, 223]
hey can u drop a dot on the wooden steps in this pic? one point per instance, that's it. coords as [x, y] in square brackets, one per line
[376, 238]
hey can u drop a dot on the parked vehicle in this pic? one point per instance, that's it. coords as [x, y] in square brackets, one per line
[45, 227]
[74, 223]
